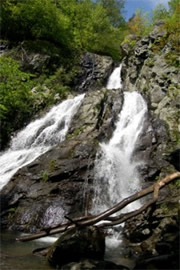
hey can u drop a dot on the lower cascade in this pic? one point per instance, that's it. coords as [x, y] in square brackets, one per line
[37, 138]
[116, 174]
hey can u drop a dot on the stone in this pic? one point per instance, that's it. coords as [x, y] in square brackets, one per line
[95, 72]
[75, 244]
[93, 264]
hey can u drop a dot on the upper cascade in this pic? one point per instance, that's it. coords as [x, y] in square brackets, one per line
[114, 81]
[37, 138]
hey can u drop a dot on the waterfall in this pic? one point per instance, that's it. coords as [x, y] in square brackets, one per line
[114, 81]
[37, 138]
[116, 174]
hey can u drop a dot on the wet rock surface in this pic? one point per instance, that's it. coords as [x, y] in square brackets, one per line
[73, 245]
[95, 71]
[43, 192]
[154, 234]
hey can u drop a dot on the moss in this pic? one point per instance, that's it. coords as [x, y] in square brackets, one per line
[177, 183]
[159, 44]
[173, 91]
[150, 62]
[45, 175]
[172, 59]
[11, 213]
[129, 41]
[145, 89]
[75, 133]
[52, 165]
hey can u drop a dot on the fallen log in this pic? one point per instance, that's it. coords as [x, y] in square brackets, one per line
[91, 220]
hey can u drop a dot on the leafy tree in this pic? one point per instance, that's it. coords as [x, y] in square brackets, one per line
[16, 98]
[173, 23]
[159, 13]
[92, 27]
[35, 19]
[173, 6]
[113, 10]
[139, 24]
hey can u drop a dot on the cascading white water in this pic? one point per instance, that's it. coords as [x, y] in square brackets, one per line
[114, 81]
[116, 175]
[37, 138]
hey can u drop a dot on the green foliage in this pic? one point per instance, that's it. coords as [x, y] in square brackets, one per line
[16, 98]
[172, 59]
[113, 9]
[150, 62]
[139, 24]
[52, 165]
[177, 183]
[55, 87]
[171, 21]
[45, 176]
[159, 13]
[128, 40]
[173, 24]
[73, 25]
[35, 19]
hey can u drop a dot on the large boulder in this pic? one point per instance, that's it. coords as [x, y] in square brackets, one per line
[75, 244]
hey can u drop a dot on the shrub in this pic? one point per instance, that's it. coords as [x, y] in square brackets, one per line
[16, 98]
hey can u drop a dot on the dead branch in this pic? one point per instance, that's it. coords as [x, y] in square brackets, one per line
[87, 221]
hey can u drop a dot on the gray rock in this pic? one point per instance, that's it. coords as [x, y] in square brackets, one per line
[95, 71]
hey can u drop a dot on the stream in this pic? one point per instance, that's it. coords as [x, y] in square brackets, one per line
[16, 255]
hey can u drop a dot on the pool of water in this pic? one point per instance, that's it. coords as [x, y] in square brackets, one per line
[16, 255]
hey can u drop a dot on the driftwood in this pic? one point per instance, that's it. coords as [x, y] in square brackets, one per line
[106, 215]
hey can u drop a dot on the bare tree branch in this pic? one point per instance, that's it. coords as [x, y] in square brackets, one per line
[91, 220]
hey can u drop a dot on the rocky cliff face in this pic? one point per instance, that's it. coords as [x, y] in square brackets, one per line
[149, 69]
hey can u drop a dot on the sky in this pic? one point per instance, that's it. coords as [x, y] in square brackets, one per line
[145, 5]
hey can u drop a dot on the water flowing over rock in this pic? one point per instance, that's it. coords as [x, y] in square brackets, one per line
[116, 174]
[37, 138]
[114, 81]
[55, 179]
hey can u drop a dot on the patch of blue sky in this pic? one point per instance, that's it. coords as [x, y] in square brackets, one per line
[145, 5]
